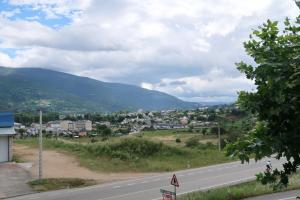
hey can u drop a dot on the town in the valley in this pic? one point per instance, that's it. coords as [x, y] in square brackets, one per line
[122, 123]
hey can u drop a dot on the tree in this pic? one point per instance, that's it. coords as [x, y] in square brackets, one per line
[104, 131]
[107, 132]
[297, 3]
[276, 101]
[22, 132]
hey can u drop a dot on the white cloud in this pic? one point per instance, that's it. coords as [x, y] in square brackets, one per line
[8, 14]
[5, 60]
[214, 86]
[151, 43]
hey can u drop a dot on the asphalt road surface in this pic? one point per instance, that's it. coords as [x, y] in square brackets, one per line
[148, 188]
[290, 195]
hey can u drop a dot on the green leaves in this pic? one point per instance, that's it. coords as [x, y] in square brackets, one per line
[276, 102]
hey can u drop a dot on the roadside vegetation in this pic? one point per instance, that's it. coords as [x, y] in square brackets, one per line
[17, 158]
[240, 191]
[135, 154]
[59, 183]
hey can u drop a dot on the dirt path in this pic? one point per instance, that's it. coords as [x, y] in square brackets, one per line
[60, 165]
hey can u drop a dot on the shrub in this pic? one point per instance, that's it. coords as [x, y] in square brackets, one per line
[121, 155]
[178, 140]
[192, 142]
[59, 183]
[126, 149]
[93, 140]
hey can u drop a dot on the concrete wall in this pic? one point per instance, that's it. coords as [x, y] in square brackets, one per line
[4, 149]
[10, 150]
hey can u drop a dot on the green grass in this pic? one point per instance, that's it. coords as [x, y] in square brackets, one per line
[17, 159]
[134, 155]
[59, 183]
[165, 132]
[239, 191]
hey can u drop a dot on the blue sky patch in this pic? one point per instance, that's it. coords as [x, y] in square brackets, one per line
[28, 13]
[9, 51]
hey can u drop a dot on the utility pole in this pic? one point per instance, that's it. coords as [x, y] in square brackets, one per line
[41, 147]
[219, 135]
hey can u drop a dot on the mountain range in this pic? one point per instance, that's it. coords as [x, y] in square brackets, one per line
[27, 89]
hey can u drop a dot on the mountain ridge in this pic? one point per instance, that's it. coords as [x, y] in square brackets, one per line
[24, 89]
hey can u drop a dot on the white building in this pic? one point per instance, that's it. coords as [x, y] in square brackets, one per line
[6, 133]
[81, 125]
[67, 125]
[84, 125]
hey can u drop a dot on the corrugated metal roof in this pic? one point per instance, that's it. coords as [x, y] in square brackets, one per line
[6, 119]
[7, 131]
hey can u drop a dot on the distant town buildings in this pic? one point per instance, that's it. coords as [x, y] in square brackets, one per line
[124, 122]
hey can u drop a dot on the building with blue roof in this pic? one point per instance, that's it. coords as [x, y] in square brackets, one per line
[6, 133]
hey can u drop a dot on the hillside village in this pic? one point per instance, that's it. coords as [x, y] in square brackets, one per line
[80, 125]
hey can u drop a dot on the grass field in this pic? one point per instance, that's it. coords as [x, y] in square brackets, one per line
[169, 137]
[239, 191]
[146, 153]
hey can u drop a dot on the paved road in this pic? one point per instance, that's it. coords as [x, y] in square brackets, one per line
[148, 188]
[290, 195]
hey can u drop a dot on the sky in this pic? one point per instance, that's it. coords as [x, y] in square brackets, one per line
[184, 48]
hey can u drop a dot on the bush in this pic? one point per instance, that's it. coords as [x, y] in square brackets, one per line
[59, 183]
[93, 140]
[223, 143]
[138, 147]
[121, 155]
[178, 140]
[126, 149]
[208, 145]
[192, 142]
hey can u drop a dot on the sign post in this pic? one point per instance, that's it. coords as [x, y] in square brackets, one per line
[168, 195]
[174, 182]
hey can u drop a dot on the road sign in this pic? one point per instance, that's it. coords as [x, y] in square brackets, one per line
[174, 181]
[166, 191]
[167, 195]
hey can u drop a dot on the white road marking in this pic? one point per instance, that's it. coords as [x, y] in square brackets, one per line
[117, 186]
[34, 197]
[288, 198]
[204, 188]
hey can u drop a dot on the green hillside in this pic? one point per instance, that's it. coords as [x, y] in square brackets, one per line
[23, 89]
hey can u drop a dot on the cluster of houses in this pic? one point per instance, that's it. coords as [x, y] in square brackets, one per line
[134, 122]
[168, 119]
[59, 127]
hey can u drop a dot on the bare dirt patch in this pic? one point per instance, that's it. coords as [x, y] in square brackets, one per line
[61, 165]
